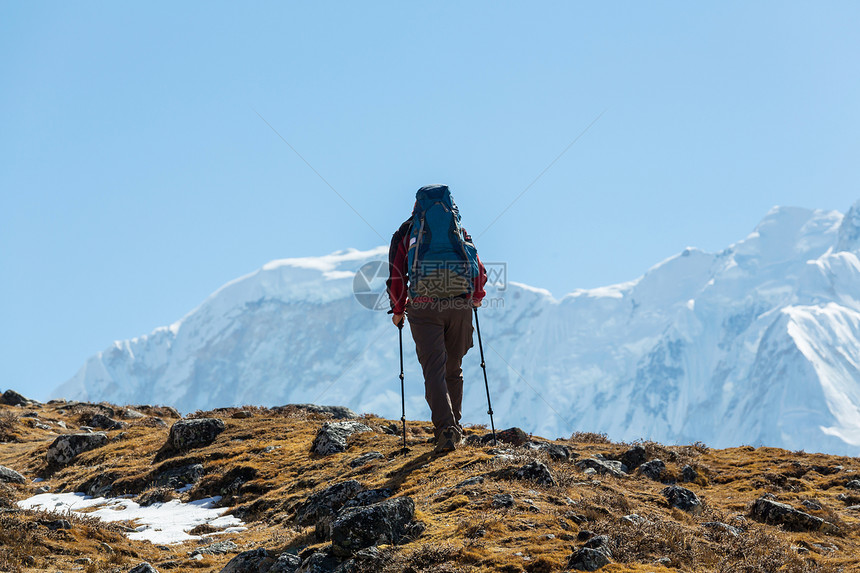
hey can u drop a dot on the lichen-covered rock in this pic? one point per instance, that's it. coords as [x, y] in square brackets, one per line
[8, 475]
[217, 548]
[366, 459]
[603, 467]
[683, 499]
[388, 521]
[177, 478]
[197, 433]
[368, 497]
[555, 452]
[254, 561]
[105, 423]
[775, 513]
[503, 500]
[535, 471]
[327, 502]
[331, 438]
[655, 470]
[853, 484]
[285, 563]
[67, 447]
[320, 562]
[514, 436]
[587, 559]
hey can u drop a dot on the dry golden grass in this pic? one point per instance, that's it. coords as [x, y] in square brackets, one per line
[263, 467]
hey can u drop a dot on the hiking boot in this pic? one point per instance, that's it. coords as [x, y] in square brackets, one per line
[449, 439]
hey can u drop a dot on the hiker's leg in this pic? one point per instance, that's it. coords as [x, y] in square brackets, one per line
[458, 340]
[428, 331]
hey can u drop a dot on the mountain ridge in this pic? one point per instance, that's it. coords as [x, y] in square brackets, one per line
[754, 344]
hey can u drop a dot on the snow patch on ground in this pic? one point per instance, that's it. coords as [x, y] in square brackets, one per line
[159, 523]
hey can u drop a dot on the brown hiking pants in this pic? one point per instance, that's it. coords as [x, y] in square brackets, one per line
[443, 335]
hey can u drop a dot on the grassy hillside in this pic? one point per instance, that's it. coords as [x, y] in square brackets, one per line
[263, 467]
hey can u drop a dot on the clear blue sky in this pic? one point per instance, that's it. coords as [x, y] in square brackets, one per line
[136, 177]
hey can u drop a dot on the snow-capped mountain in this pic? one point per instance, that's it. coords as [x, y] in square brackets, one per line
[757, 344]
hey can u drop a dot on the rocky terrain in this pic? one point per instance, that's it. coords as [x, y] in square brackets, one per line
[315, 489]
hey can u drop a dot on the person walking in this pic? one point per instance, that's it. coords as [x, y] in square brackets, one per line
[435, 280]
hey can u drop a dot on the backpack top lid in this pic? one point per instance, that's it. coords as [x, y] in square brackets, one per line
[429, 195]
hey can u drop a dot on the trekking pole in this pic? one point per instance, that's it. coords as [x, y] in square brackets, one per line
[402, 390]
[484, 368]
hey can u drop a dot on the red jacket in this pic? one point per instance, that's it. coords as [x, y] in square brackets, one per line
[398, 272]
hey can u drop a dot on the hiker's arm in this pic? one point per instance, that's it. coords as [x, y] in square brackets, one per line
[480, 281]
[396, 283]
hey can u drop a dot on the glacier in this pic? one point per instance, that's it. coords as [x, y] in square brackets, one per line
[758, 344]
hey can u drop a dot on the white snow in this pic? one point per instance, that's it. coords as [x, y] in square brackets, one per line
[160, 523]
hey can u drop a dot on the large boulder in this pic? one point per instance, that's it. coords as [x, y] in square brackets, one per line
[12, 398]
[331, 438]
[389, 522]
[769, 511]
[683, 499]
[8, 475]
[197, 433]
[67, 447]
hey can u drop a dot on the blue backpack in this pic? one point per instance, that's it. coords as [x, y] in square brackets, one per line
[441, 262]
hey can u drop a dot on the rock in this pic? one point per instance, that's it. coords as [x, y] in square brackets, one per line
[67, 447]
[320, 562]
[189, 434]
[56, 524]
[775, 513]
[535, 471]
[655, 470]
[587, 559]
[388, 521]
[602, 467]
[144, 568]
[514, 436]
[219, 548]
[555, 452]
[8, 475]
[336, 412]
[177, 478]
[254, 561]
[130, 414]
[853, 484]
[503, 500]
[477, 480]
[368, 497]
[83, 561]
[634, 519]
[634, 457]
[683, 499]
[811, 505]
[242, 415]
[723, 527]
[366, 459]
[331, 438]
[286, 563]
[321, 508]
[12, 398]
[689, 473]
[105, 423]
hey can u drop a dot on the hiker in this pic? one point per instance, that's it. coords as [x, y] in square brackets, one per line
[436, 278]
